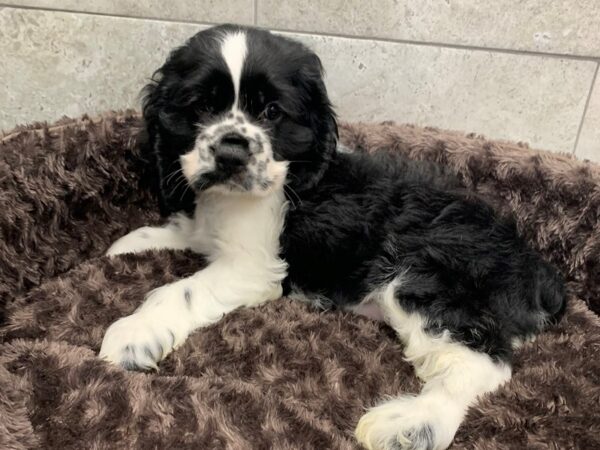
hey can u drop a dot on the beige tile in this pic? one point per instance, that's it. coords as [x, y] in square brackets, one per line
[63, 63]
[588, 146]
[206, 11]
[526, 98]
[567, 27]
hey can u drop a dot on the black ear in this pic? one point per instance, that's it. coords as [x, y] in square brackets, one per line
[323, 123]
[169, 133]
[159, 147]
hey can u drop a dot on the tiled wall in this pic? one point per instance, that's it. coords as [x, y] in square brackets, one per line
[519, 70]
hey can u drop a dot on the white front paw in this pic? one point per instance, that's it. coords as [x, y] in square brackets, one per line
[408, 423]
[137, 241]
[136, 342]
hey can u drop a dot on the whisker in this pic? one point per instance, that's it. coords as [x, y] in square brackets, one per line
[177, 186]
[177, 180]
[288, 197]
[173, 162]
[203, 186]
[173, 174]
[295, 193]
[294, 175]
[189, 185]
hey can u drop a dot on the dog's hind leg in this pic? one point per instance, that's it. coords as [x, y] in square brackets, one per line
[454, 377]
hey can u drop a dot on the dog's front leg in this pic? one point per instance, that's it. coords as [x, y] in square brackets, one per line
[171, 312]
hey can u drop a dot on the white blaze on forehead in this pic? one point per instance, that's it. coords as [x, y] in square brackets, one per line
[233, 49]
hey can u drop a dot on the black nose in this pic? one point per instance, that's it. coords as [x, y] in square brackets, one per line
[231, 153]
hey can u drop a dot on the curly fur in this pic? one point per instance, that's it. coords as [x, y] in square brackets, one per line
[278, 375]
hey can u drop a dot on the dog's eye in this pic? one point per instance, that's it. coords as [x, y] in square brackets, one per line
[272, 111]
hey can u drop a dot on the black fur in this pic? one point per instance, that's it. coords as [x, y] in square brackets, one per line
[194, 85]
[357, 221]
[373, 218]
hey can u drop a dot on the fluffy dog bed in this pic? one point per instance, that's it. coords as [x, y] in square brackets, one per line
[278, 376]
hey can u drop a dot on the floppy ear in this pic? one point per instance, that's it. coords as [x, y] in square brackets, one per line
[169, 133]
[323, 123]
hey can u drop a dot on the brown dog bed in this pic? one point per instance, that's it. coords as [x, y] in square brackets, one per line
[278, 376]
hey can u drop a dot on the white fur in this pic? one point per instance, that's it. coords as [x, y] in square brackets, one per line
[263, 174]
[519, 342]
[266, 174]
[234, 49]
[172, 235]
[236, 225]
[240, 236]
[313, 299]
[454, 377]
[341, 148]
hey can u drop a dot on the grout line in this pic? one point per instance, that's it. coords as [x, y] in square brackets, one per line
[103, 14]
[327, 34]
[585, 108]
[441, 44]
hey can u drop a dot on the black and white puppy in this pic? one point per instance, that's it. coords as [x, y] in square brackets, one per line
[244, 139]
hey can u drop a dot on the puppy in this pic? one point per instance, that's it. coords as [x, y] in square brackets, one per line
[244, 141]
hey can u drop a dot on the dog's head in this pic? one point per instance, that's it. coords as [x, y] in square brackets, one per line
[240, 111]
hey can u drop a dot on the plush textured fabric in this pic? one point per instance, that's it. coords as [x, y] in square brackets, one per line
[278, 376]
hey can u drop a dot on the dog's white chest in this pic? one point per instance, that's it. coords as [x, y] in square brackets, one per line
[232, 223]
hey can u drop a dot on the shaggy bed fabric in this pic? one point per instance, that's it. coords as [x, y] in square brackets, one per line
[279, 376]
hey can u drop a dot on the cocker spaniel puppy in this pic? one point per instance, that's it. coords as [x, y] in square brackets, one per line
[244, 141]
